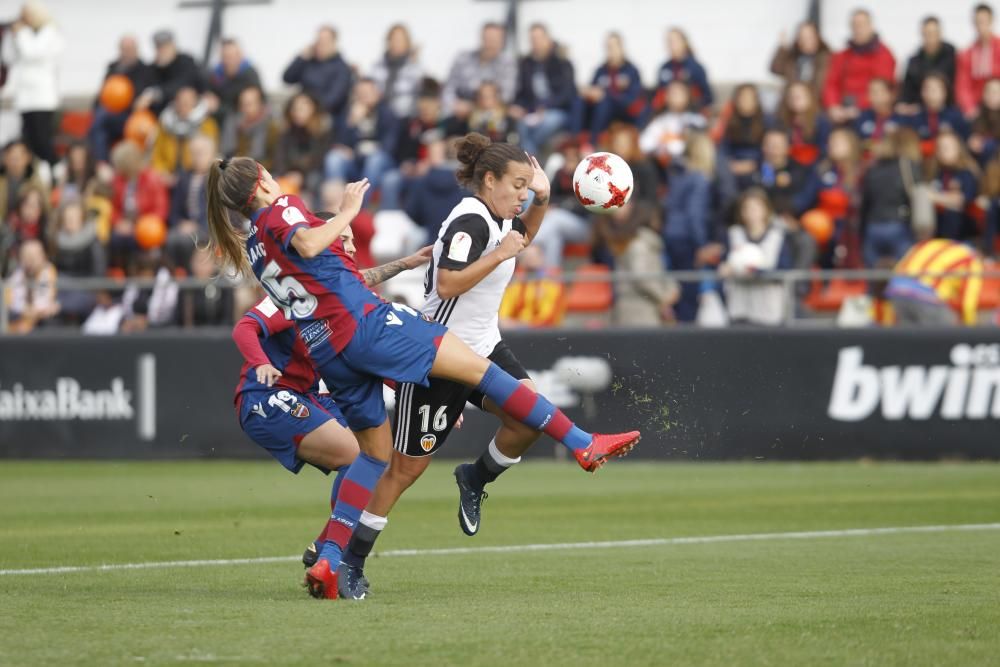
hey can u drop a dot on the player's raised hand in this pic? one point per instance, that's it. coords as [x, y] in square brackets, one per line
[539, 181]
[354, 196]
[267, 374]
[512, 244]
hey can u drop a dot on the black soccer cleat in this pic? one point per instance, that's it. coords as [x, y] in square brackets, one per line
[311, 555]
[470, 499]
[352, 583]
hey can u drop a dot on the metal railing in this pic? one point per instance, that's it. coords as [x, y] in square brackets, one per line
[789, 279]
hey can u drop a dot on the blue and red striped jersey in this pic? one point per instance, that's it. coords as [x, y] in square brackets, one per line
[284, 350]
[326, 287]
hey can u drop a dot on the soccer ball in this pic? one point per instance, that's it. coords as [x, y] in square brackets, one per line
[745, 259]
[602, 182]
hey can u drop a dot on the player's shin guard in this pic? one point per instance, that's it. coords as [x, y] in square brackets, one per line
[355, 492]
[531, 408]
[369, 527]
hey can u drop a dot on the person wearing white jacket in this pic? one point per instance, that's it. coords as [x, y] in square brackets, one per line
[33, 52]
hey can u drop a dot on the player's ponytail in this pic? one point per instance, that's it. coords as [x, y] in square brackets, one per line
[231, 186]
[480, 156]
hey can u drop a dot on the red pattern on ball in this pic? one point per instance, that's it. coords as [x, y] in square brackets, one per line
[598, 162]
[579, 195]
[617, 196]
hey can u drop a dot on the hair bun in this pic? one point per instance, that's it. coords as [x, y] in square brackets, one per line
[471, 147]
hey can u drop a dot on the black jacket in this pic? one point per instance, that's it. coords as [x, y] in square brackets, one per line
[920, 65]
[558, 74]
[883, 192]
[181, 72]
[329, 81]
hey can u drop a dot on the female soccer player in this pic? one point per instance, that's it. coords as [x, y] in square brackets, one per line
[278, 399]
[472, 265]
[354, 338]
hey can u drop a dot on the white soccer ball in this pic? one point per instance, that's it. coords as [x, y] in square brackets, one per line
[745, 259]
[603, 182]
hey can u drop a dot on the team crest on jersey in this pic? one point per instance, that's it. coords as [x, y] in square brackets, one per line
[300, 411]
[428, 441]
[461, 246]
[292, 215]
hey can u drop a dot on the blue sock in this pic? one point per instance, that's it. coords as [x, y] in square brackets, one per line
[531, 408]
[337, 479]
[353, 496]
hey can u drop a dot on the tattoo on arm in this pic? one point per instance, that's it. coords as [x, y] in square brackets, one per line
[541, 201]
[382, 273]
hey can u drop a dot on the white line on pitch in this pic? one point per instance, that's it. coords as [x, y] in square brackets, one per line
[521, 548]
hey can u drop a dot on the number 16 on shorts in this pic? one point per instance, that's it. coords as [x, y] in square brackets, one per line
[426, 415]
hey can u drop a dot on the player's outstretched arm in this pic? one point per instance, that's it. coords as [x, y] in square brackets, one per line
[536, 212]
[382, 273]
[314, 240]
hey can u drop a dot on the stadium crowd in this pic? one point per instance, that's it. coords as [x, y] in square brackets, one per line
[863, 154]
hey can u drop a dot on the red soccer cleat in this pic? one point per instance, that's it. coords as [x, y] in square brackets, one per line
[604, 447]
[321, 581]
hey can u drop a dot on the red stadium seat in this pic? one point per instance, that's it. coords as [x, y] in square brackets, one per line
[590, 296]
[576, 250]
[830, 298]
[989, 298]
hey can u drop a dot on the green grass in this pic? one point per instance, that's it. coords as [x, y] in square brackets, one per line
[907, 599]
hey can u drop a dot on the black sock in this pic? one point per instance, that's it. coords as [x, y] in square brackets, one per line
[360, 545]
[487, 468]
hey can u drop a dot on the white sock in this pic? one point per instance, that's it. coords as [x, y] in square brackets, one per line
[374, 521]
[499, 456]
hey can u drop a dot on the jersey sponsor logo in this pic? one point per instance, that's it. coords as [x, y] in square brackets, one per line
[967, 388]
[292, 215]
[300, 411]
[460, 247]
[316, 333]
[428, 441]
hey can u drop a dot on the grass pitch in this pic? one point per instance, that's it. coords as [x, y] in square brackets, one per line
[895, 599]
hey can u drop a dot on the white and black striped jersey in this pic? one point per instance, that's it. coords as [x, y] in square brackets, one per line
[469, 232]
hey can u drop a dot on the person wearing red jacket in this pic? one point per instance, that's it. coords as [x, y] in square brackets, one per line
[136, 190]
[977, 64]
[845, 93]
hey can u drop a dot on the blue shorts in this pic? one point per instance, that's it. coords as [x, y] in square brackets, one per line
[393, 342]
[278, 420]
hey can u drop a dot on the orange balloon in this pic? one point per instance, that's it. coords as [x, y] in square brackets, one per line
[150, 231]
[288, 185]
[116, 95]
[140, 126]
[819, 224]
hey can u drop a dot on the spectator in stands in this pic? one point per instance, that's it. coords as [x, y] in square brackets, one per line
[792, 187]
[106, 317]
[416, 134]
[534, 299]
[840, 187]
[489, 117]
[954, 179]
[75, 174]
[934, 56]
[682, 66]
[251, 131]
[615, 92]
[33, 55]
[399, 73]
[742, 135]
[304, 141]
[566, 220]
[32, 289]
[806, 60]
[230, 77]
[150, 307]
[985, 135]
[188, 221]
[546, 92]
[979, 63]
[323, 73]
[137, 190]
[663, 138]
[989, 201]
[807, 127]
[28, 220]
[365, 141]
[20, 169]
[184, 118]
[757, 243]
[933, 115]
[210, 305]
[885, 200]
[645, 297]
[622, 139]
[845, 91]
[490, 62]
[687, 219]
[107, 127]
[434, 191]
[172, 71]
[77, 253]
[880, 118]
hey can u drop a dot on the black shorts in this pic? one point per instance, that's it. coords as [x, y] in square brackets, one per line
[426, 415]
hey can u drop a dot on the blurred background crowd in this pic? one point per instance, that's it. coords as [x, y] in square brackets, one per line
[861, 158]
